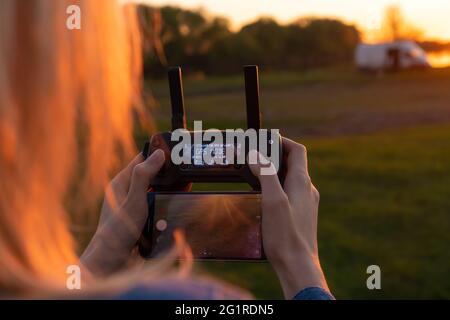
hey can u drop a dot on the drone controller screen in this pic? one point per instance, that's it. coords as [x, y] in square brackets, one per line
[213, 154]
[215, 226]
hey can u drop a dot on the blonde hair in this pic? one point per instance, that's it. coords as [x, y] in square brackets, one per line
[66, 114]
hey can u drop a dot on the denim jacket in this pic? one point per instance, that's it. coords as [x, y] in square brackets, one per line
[204, 290]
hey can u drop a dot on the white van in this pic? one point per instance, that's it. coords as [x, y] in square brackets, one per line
[390, 56]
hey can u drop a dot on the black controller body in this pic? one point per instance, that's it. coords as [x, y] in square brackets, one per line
[230, 169]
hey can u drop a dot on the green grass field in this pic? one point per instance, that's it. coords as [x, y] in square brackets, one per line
[379, 152]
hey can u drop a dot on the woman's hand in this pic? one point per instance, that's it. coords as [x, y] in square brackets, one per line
[123, 215]
[289, 223]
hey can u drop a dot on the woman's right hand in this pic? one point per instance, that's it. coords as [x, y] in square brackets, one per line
[289, 224]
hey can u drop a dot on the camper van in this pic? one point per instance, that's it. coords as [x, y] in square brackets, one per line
[390, 56]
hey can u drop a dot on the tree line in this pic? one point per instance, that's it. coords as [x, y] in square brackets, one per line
[204, 44]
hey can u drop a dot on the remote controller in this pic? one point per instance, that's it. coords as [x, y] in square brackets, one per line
[173, 177]
[227, 161]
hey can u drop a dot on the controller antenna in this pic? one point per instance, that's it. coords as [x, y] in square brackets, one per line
[177, 98]
[252, 97]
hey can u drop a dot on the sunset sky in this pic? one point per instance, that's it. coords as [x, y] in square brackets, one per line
[431, 16]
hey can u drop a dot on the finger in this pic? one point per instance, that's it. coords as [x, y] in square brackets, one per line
[296, 155]
[297, 177]
[117, 190]
[123, 178]
[144, 172]
[271, 189]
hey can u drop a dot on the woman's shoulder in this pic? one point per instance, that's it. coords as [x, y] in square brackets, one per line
[182, 289]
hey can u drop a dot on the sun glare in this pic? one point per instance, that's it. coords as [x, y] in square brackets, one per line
[431, 17]
[439, 59]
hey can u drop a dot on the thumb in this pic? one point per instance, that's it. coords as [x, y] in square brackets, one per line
[145, 171]
[265, 171]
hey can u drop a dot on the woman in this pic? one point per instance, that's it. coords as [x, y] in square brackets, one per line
[66, 115]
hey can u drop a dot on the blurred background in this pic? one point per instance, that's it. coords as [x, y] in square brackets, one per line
[365, 86]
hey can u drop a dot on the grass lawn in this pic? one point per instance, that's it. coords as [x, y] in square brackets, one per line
[384, 201]
[379, 152]
[323, 102]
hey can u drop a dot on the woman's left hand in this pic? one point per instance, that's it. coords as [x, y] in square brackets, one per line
[123, 215]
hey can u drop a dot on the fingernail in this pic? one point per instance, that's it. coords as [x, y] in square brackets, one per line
[158, 156]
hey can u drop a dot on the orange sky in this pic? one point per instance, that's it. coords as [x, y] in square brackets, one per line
[430, 16]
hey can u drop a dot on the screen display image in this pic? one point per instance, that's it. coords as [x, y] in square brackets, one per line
[217, 155]
[216, 226]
